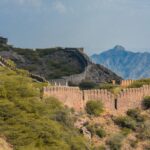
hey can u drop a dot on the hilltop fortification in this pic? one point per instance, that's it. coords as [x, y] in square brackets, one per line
[59, 64]
[3, 40]
[75, 98]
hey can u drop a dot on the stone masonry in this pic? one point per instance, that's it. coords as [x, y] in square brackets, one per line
[69, 96]
[75, 98]
[126, 83]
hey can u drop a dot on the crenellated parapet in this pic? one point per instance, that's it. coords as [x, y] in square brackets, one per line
[126, 83]
[103, 95]
[70, 96]
[132, 98]
[75, 98]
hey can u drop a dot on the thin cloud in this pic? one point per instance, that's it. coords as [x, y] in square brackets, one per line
[60, 7]
[33, 3]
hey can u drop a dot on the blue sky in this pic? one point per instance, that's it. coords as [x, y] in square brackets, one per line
[95, 25]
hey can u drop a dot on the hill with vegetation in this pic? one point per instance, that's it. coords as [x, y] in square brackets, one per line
[30, 123]
[58, 63]
[129, 65]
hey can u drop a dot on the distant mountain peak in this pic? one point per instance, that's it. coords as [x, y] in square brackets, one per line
[128, 64]
[119, 48]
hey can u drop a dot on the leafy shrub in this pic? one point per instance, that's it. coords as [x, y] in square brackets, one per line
[94, 107]
[125, 131]
[47, 51]
[64, 117]
[107, 86]
[85, 85]
[115, 142]
[145, 131]
[96, 130]
[125, 122]
[101, 132]
[135, 114]
[92, 129]
[146, 102]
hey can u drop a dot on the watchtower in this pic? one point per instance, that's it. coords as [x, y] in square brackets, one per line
[3, 40]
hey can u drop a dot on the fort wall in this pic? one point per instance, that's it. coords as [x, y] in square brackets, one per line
[105, 96]
[75, 79]
[132, 98]
[75, 98]
[70, 96]
[126, 83]
[3, 40]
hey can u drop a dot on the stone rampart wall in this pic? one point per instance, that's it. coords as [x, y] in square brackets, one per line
[70, 96]
[75, 98]
[132, 98]
[126, 83]
[105, 96]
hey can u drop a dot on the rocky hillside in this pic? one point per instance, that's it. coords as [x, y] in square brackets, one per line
[59, 64]
[110, 132]
[127, 64]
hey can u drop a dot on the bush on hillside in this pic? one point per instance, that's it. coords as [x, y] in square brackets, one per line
[125, 122]
[96, 130]
[94, 108]
[115, 141]
[86, 85]
[144, 133]
[91, 129]
[107, 86]
[135, 114]
[146, 102]
[64, 117]
[126, 131]
[100, 132]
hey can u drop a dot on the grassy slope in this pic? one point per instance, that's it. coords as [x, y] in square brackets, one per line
[32, 124]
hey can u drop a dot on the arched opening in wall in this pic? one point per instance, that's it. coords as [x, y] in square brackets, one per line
[116, 103]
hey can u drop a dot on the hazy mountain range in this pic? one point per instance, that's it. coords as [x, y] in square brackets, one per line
[129, 65]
